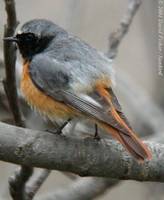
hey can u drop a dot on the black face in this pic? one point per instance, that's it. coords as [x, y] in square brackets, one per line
[28, 44]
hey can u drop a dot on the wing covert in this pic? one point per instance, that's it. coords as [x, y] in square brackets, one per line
[48, 75]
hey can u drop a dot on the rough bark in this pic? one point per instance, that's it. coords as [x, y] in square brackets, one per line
[86, 157]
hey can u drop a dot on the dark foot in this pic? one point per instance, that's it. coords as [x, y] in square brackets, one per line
[56, 131]
[59, 130]
[96, 136]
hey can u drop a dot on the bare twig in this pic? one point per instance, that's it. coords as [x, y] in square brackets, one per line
[83, 188]
[18, 181]
[116, 37]
[138, 101]
[9, 61]
[86, 157]
[33, 185]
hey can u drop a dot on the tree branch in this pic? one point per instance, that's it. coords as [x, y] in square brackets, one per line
[116, 37]
[86, 157]
[18, 181]
[9, 61]
[33, 186]
[83, 188]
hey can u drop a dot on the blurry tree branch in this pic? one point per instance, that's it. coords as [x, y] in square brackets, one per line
[137, 97]
[9, 62]
[83, 188]
[18, 180]
[33, 185]
[86, 157]
[116, 37]
[139, 100]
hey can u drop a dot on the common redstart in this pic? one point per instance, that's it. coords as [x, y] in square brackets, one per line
[63, 77]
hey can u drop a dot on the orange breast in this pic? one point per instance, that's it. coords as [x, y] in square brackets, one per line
[41, 102]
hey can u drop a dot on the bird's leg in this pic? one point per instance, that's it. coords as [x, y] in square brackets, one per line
[59, 129]
[96, 136]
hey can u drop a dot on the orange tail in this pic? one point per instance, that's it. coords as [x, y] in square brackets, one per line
[128, 138]
[131, 142]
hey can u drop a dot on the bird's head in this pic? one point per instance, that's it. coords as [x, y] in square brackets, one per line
[34, 36]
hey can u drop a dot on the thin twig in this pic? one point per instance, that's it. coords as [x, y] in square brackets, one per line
[9, 61]
[18, 181]
[116, 37]
[139, 100]
[33, 186]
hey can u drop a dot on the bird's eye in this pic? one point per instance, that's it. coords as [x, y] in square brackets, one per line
[30, 37]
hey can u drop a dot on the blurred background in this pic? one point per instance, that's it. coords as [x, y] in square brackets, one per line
[139, 86]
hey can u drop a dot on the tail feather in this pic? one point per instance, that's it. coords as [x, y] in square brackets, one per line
[127, 138]
[131, 142]
[136, 147]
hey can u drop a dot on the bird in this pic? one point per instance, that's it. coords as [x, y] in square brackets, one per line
[65, 78]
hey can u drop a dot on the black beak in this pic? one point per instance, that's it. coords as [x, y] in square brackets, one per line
[10, 39]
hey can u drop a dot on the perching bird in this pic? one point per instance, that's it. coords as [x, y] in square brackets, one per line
[63, 77]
